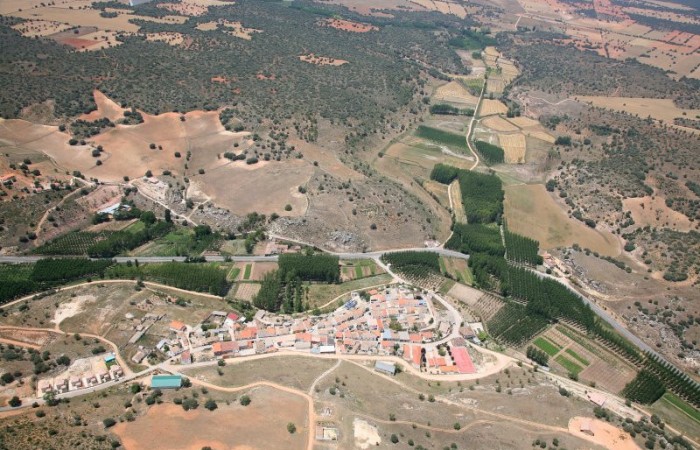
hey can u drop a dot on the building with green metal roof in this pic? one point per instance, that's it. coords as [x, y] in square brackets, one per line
[166, 381]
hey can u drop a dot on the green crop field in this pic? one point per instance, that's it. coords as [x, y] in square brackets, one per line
[680, 404]
[233, 273]
[248, 269]
[548, 347]
[453, 140]
[578, 357]
[568, 364]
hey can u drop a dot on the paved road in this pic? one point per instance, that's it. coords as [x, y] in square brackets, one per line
[251, 258]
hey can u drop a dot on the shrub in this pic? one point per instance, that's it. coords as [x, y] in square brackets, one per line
[109, 422]
[245, 400]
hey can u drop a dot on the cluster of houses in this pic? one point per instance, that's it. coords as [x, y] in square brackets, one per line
[62, 384]
[395, 321]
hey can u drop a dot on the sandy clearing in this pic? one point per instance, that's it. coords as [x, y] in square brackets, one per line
[106, 107]
[72, 308]
[653, 211]
[261, 425]
[366, 435]
[604, 434]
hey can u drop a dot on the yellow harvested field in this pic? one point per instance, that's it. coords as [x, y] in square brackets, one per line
[456, 93]
[491, 107]
[322, 60]
[514, 147]
[532, 212]
[541, 135]
[652, 211]
[524, 122]
[497, 123]
[42, 28]
[657, 108]
[246, 291]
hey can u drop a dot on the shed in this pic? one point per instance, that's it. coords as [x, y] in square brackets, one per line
[166, 381]
[110, 358]
[385, 367]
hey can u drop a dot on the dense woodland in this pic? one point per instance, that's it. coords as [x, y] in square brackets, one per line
[380, 79]
[283, 289]
[23, 279]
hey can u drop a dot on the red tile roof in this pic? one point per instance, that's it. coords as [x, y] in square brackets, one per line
[462, 360]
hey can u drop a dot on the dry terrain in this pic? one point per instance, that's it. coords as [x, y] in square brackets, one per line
[657, 108]
[532, 211]
[262, 424]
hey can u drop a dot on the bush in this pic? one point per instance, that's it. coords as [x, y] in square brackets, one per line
[109, 422]
[15, 402]
[245, 400]
[394, 439]
[291, 428]
[211, 405]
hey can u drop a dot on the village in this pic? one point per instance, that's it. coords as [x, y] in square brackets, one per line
[397, 321]
[394, 321]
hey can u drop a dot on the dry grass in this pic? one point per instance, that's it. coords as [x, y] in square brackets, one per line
[264, 187]
[652, 211]
[457, 205]
[514, 147]
[439, 190]
[657, 108]
[531, 211]
[33, 28]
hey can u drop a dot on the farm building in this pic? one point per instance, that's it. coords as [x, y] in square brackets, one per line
[462, 360]
[137, 2]
[7, 178]
[224, 348]
[110, 359]
[177, 326]
[586, 427]
[166, 381]
[385, 367]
